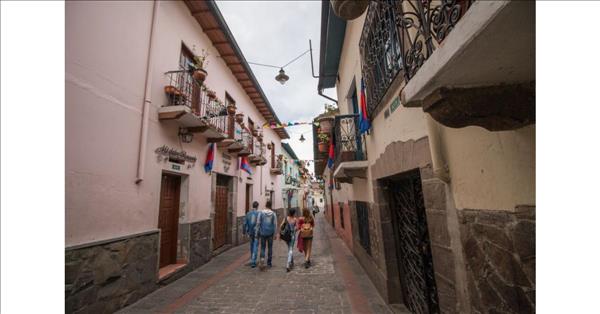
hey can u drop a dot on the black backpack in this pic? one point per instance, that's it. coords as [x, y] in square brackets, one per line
[286, 232]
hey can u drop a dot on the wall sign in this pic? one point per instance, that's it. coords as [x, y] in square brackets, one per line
[395, 104]
[226, 162]
[165, 153]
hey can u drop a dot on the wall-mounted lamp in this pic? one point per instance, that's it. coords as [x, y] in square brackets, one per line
[185, 135]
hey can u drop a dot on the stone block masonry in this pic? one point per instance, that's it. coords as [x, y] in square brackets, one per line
[499, 249]
[107, 276]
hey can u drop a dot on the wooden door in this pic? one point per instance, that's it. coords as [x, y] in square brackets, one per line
[168, 218]
[248, 196]
[220, 223]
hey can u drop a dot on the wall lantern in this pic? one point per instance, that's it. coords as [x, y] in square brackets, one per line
[185, 136]
[302, 139]
[282, 77]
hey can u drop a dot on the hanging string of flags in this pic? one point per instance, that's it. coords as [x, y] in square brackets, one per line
[274, 125]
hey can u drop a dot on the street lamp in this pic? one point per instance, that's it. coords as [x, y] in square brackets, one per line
[282, 77]
[302, 139]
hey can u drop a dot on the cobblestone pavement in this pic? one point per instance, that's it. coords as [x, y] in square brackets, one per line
[335, 283]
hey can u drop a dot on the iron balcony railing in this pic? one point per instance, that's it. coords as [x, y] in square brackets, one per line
[348, 144]
[247, 141]
[184, 90]
[398, 36]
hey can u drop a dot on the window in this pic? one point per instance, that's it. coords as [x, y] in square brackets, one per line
[231, 118]
[273, 165]
[362, 217]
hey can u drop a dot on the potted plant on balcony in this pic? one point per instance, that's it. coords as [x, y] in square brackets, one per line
[199, 73]
[349, 9]
[254, 132]
[260, 138]
[323, 141]
[239, 118]
[211, 94]
[231, 108]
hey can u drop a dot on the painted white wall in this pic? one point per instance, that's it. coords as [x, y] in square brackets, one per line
[106, 54]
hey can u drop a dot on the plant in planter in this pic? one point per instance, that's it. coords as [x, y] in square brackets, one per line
[254, 132]
[199, 73]
[231, 108]
[211, 93]
[323, 141]
[239, 118]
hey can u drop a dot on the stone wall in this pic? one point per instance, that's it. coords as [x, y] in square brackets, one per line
[240, 230]
[500, 253]
[200, 241]
[106, 276]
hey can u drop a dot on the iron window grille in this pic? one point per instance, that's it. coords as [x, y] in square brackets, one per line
[399, 36]
[362, 216]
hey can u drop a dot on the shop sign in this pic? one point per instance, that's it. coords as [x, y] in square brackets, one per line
[166, 153]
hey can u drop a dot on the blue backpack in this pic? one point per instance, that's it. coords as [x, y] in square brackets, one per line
[267, 225]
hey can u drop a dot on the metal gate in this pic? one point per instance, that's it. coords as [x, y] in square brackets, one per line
[412, 245]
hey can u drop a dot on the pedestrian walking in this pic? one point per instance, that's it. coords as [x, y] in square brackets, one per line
[267, 222]
[287, 233]
[306, 224]
[249, 230]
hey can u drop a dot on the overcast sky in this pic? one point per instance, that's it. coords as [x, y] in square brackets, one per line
[275, 32]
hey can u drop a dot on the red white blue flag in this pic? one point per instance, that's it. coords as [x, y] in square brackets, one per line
[244, 165]
[210, 157]
[331, 155]
[364, 124]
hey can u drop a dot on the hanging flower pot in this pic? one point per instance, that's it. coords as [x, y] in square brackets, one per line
[239, 117]
[326, 125]
[254, 132]
[260, 138]
[269, 146]
[231, 109]
[322, 147]
[199, 75]
[211, 94]
[349, 9]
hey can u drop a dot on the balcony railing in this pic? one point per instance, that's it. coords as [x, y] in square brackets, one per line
[247, 143]
[348, 143]
[397, 38]
[184, 90]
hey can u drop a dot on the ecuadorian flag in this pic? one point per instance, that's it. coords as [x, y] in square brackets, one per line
[244, 165]
[331, 155]
[363, 124]
[210, 157]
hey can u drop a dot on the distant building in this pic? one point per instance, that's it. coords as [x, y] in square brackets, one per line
[140, 208]
[291, 178]
[437, 200]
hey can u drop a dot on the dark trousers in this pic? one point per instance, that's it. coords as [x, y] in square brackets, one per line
[266, 241]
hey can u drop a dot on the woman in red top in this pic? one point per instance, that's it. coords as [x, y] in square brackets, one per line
[306, 224]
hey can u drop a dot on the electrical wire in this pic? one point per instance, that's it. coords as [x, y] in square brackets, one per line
[279, 67]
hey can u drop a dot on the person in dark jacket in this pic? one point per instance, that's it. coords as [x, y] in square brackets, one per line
[267, 224]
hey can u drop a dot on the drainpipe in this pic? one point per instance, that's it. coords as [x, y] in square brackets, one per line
[147, 98]
[440, 165]
[312, 67]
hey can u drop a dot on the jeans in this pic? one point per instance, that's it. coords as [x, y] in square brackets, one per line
[268, 241]
[253, 250]
[290, 257]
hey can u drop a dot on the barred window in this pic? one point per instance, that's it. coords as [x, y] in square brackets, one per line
[362, 215]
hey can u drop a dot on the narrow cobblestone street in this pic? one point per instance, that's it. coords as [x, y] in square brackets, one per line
[335, 283]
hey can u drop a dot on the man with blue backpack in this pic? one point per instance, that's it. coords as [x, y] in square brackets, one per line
[250, 230]
[265, 229]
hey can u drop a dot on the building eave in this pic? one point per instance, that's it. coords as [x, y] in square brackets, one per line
[208, 15]
[333, 30]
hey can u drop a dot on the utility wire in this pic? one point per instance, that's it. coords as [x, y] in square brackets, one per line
[279, 67]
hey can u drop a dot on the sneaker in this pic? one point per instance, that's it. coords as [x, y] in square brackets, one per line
[305, 264]
[269, 265]
[253, 265]
[287, 270]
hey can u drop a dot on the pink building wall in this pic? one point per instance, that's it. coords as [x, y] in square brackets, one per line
[106, 55]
